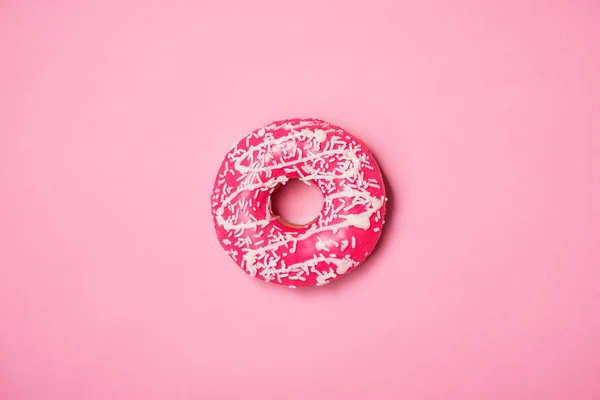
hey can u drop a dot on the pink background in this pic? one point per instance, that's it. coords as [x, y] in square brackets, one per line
[484, 115]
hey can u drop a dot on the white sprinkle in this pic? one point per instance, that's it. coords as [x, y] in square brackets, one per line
[320, 244]
[344, 245]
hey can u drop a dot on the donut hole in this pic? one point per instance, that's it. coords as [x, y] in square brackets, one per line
[296, 204]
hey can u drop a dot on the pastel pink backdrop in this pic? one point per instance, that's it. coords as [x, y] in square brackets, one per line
[484, 115]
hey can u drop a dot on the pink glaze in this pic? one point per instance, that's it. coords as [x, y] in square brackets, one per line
[316, 152]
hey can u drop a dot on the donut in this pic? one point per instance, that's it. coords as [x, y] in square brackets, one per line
[318, 153]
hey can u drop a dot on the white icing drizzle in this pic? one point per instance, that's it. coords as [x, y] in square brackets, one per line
[320, 154]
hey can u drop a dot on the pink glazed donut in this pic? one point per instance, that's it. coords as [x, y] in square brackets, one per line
[316, 152]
